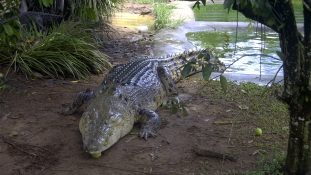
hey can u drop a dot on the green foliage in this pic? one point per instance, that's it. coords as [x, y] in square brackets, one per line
[91, 14]
[207, 71]
[88, 9]
[163, 14]
[9, 29]
[220, 12]
[3, 85]
[223, 83]
[216, 12]
[67, 51]
[46, 3]
[174, 107]
[197, 3]
[270, 164]
[149, 1]
[252, 106]
[207, 62]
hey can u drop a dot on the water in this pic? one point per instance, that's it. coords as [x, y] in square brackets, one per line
[247, 43]
[132, 21]
[210, 13]
[215, 12]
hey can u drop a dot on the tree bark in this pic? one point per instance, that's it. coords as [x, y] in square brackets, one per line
[297, 93]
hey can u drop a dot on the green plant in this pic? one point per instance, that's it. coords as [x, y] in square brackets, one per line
[92, 9]
[270, 164]
[163, 14]
[3, 85]
[216, 12]
[149, 1]
[9, 29]
[176, 23]
[67, 51]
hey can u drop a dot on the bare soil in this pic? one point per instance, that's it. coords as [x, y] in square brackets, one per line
[50, 144]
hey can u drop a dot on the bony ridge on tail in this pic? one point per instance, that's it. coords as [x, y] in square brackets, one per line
[130, 93]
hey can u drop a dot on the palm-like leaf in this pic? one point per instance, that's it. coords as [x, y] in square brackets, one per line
[68, 51]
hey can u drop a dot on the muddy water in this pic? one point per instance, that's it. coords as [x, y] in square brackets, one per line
[231, 46]
[132, 21]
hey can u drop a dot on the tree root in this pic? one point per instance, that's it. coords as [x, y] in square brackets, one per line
[208, 153]
[33, 154]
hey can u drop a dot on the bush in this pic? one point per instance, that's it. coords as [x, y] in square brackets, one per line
[67, 51]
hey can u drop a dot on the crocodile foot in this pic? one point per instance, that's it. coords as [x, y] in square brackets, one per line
[83, 97]
[151, 123]
[144, 133]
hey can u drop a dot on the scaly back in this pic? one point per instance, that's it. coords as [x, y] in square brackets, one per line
[135, 70]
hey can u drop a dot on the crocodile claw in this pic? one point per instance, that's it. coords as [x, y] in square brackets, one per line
[64, 112]
[145, 134]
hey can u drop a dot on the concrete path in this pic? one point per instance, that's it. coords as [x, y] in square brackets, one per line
[183, 10]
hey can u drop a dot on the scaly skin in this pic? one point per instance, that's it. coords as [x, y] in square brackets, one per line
[130, 93]
[39, 18]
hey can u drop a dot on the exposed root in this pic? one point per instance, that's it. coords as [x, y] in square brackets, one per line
[208, 153]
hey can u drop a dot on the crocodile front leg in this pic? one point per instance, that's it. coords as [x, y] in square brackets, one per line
[82, 98]
[151, 123]
[168, 82]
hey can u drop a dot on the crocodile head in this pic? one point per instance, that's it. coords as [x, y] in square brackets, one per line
[103, 123]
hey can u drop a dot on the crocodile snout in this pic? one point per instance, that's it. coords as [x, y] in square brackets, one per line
[92, 146]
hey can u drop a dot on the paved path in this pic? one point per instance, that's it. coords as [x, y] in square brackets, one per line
[183, 11]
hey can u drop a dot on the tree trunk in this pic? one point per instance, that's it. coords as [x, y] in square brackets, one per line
[298, 159]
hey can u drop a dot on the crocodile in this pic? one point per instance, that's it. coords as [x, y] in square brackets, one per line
[131, 93]
[41, 19]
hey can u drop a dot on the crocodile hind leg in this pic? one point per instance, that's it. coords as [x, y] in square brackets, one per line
[151, 123]
[170, 87]
[82, 98]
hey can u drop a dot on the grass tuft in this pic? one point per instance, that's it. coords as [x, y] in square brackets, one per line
[163, 13]
[149, 1]
[67, 51]
[249, 106]
[216, 12]
[270, 164]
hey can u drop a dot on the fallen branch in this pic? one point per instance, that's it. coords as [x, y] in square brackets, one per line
[116, 168]
[142, 150]
[208, 153]
[223, 123]
[33, 154]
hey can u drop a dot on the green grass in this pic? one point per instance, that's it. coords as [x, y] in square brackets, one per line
[163, 13]
[149, 1]
[67, 51]
[4, 86]
[263, 109]
[270, 164]
[216, 12]
[82, 10]
[251, 106]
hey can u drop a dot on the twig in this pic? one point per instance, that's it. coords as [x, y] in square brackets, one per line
[142, 150]
[227, 67]
[121, 169]
[209, 153]
[33, 154]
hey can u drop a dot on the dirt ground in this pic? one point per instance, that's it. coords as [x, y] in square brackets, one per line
[50, 144]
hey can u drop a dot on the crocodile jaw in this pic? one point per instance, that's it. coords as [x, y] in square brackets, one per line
[101, 128]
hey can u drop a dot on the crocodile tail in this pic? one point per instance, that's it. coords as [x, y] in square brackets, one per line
[195, 58]
[41, 18]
